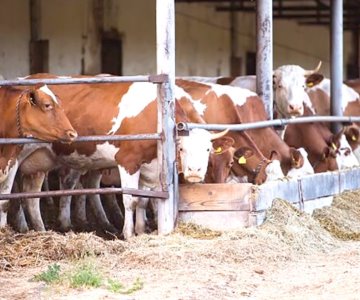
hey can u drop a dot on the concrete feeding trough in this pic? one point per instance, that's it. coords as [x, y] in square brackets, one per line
[234, 206]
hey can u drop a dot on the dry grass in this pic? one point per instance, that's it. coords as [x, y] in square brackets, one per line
[286, 233]
[342, 218]
[35, 248]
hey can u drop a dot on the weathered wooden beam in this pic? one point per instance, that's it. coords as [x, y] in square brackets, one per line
[165, 55]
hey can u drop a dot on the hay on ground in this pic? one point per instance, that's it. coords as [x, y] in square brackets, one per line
[297, 229]
[33, 248]
[342, 218]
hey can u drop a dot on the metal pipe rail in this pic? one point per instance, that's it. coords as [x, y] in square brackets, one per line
[161, 78]
[129, 191]
[182, 126]
[90, 138]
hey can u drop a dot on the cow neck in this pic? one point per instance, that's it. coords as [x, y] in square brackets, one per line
[10, 110]
[17, 115]
[247, 137]
[8, 129]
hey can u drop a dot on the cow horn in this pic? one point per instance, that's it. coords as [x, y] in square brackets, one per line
[310, 72]
[218, 135]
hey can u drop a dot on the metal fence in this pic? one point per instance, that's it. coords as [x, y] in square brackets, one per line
[165, 78]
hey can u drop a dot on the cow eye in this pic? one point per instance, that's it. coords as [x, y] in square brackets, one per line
[231, 164]
[208, 149]
[280, 86]
[48, 106]
[181, 149]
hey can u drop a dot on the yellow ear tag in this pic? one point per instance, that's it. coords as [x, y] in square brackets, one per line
[333, 146]
[353, 138]
[242, 160]
[309, 84]
[218, 150]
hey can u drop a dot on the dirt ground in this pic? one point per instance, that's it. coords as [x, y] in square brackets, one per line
[290, 257]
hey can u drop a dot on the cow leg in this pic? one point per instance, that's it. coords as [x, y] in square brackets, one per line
[113, 210]
[49, 199]
[18, 220]
[129, 181]
[141, 219]
[5, 188]
[79, 213]
[68, 180]
[92, 180]
[33, 183]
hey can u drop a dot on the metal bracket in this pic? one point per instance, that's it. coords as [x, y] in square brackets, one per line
[159, 78]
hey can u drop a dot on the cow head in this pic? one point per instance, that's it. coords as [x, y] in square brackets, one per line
[325, 160]
[40, 115]
[221, 160]
[273, 169]
[194, 151]
[289, 83]
[300, 165]
[345, 157]
[259, 169]
[352, 136]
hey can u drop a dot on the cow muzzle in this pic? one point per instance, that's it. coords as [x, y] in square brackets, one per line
[295, 110]
[69, 136]
[193, 175]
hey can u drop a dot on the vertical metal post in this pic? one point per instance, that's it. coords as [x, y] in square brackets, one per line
[336, 69]
[264, 54]
[165, 44]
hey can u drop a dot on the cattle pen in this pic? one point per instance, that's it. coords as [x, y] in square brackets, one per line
[221, 206]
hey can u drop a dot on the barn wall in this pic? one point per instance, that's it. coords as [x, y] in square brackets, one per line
[202, 38]
[14, 38]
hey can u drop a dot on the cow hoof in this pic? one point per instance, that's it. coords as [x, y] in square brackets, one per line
[64, 228]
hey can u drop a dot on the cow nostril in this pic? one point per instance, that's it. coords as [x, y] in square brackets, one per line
[72, 134]
[291, 107]
[190, 169]
[198, 170]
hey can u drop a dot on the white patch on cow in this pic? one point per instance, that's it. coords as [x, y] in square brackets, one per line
[5, 172]
[356, 152]
[130, 202]
[345, 157]
[198, 106]
[7, 177]
[194, 154]
[22, 78]
[237, 94]
[201, 79]
[306, 169]
[273, 171]
[63, 77]
[232, 178]
[103, 157]
[348, 93]
[149, 174]
[246, 82]
[139, 95]
[45, 89]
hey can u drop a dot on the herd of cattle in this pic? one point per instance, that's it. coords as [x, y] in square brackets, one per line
[60, 113]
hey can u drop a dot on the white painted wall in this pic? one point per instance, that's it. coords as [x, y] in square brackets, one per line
[14, 38]
[202, 38]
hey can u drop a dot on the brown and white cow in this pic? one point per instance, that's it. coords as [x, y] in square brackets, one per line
[296, 88]
[27, 112]
[125, 108]
[319, 93]
[234, 105]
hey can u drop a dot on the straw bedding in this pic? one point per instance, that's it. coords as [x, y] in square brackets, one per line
[286, 234]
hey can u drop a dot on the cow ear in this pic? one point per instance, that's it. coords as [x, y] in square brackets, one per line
[224, 142]
[274, 155]
[314, 79]
[352, 133]
[334, 142]
[32, 97]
